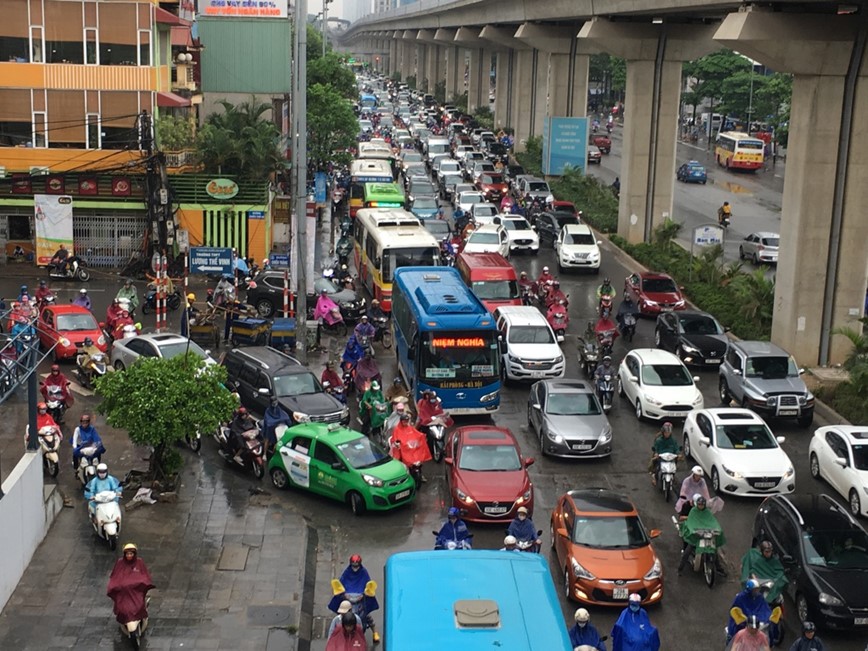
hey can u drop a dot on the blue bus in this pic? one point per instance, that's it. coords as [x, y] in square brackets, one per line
[473, 601]
[445, 339]
[367, 101]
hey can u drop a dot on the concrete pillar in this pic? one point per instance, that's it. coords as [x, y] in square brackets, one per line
[425, 39]
[434, 68]
[454, 72]
[393, 56]
[524, 93]
[445, 38]
[478, 78]
[654, 53]
[421, 52]
[408, 57]
[503, 89]
[821, 274]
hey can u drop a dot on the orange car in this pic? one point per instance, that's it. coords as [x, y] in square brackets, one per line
[604, 550]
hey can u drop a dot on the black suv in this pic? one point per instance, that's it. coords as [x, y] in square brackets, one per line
[267, 296]
[825, 556]
[259, 372]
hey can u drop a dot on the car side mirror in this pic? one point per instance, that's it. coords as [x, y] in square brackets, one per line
[654, 533]
[337, 465]
[562, 532]
[736, 371]
[529, 461]
[780, 439]
[841, 461]
[726, 329]
[536, 406]
[634, 379]
[695, 378]
[801, 371]
[705, 440]
[263, 392]
[448, 461]
[786, 559]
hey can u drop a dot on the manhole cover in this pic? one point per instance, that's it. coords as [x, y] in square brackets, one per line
[271, 615]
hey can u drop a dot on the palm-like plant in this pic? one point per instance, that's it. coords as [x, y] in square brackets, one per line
[859, 354]
[665, 233]
[759, 297]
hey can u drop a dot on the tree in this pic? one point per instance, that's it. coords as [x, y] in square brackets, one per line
[739, 95]
[711, 71]
[159, 401]
[175, 133]
[314, 43]
[241, 141]
[331, 126]
[330, 71]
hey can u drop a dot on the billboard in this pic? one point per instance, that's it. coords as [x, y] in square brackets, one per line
[243, 8]
[53, 217]
[565, 143]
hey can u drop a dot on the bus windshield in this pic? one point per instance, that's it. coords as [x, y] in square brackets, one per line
[424, 256]
[495, 290]
[454, 355]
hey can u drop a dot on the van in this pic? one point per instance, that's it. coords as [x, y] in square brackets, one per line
[434, 146]
[490, 277]
[528, 346]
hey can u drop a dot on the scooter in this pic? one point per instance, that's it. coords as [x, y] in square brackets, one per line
[75, 270]
[107, 517]
[606, 392]
[450, 545]
[605, 304]
[559, 319]
[383, 332]
[589, 356]
[703, 557]
[628, 327]
[55, 403]
[193, 441]
[437, 435]
[724, 222]
[605, 341]
[588, 647]
[173, 300]
[49, 443]
[252, 451]
[666, 473]
[87, 464]
[530, 545]
[135, 629]
[90, 367]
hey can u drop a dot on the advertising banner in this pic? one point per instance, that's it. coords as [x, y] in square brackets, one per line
[243, 8]
[565, 143]
[53, 225]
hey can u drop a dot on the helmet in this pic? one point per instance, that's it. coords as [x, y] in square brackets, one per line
[102, 468]
[323, 291]
[752, 621]
[375, 386]
[523, 274]
[545, 270]
[582, 615]
[55, 368]
[405, 415]
[375, 302]
[356, 558]
[264, 262]
[191, 297]
[116, 301]
[556, 283]
[85, 418]
[23, 288]
[329, 365]
[453, 512]
[808, 627]
[82, 291]
[510, 540]
[364, 317]
[666, 427]
[607, 358]
[766, 546]
[41, 406]
[128, 282]
[696, 470]
[522, 509]
[699, 500]
[751, 584]
[42, 283]
[88, 341]
[242, 411]
[400, 408]
[131, 547]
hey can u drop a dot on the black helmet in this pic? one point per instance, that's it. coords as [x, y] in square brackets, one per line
[807, 627]
[88, 341]
[766, 546]
[606, 281]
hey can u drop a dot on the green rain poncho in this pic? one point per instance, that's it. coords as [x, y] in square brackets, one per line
[369, 403]
[701, 519]
[754, 563]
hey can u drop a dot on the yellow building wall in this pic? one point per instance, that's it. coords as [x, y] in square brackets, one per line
[20, 159]
[191, 217]
[62, 76]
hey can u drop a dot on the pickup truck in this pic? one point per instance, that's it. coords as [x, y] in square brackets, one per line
[603, 142]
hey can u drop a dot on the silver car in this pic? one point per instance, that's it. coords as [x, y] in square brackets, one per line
[760, 247]
[568, 420]
[125, 352]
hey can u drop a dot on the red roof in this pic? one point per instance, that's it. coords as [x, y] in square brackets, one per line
[168, 18]
[171, 100]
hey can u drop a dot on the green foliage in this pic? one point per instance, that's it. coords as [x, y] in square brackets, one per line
[712, 70]
[618, 71]
[314, 43]
[664, 235]
[859, 353]
[758, 296]
[531, 158]
[459, 101]
[159, 401]
[396, 76]
[484, 117]
[241, 141]
[330, 71]
[598, 205]
[411, 81]
[440, 91]
[331, 126]
[175, 133]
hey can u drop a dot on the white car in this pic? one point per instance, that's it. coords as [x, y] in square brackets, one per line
[521, 236]
[484, 213]
[658, 384]
[839, 454]
[739, 452]
[488, 238]
[577, 248]
[468, 198]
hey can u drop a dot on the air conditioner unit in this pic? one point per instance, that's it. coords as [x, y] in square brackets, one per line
[2, 172]
[38, 170]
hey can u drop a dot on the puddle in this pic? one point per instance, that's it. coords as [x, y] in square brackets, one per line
[735, 188]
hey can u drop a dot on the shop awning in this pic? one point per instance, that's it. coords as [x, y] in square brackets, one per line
[181, 37]
[171, 100]
[168, 18]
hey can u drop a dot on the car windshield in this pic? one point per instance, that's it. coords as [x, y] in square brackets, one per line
[488, 458]
[578, 238]
[840, 549]
[696, 168]
[610, 532]
[484, 238]
[76, 322]
[412, 157]
[484, 210]
[771, 368]
[659, 286]
[693, 324]
[771, 241]
[564, 218]
[496, 148]
[491, 178]
[538, 334]
[471, 197]
[572, 404]
[408, 257]
[296, 384]
[363, 453]
[752, 436]
[173, 350]
[538, 186]
[495, 290]
[666, 375]
[516, 225]
[426, 203]
[437, 227]
[860, 457]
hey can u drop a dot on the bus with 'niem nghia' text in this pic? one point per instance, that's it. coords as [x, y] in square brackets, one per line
[739, 150]
[445, 339]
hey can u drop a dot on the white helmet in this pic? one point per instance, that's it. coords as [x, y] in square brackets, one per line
[582, 615]
[102, 468]
[510, 540]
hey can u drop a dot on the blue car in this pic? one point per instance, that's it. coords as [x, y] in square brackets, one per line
[692, 172]
[425, 207]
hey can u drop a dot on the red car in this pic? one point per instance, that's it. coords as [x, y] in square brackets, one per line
[492, 185]
[68, 325]
[487, 475]
[565, 206]
[654, 293]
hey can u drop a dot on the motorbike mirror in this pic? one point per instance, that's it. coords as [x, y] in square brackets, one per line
[448, 461]
[705, 440]
[654, 533]
[604, 638]
[102, 324]
[529, 461]
[539, 532]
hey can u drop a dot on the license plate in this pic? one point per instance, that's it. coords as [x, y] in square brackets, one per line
[494, 510]
[619, 593]
[712, 361]
[537, 374]
[765, 484]
[402, 494]
[861, 621]
[582, 447]
[665, 309]
[788, 412]
[703, 542]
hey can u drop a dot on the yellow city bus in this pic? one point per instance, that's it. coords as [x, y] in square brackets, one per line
[364, 171]
[739, 150]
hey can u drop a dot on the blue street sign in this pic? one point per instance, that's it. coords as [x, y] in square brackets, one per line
[320, 181]
[209, 260]
[565, 143]
[255, 214]
[279, 260]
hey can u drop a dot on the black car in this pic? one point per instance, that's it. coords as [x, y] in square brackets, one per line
[696, 337]
[824, 552]
[512, 171]
[267, 296]
[497, 152]
[421, 187]
[259, 372]
[548, 224]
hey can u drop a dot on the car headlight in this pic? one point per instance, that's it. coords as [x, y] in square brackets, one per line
[370, 480]
[732, 473]
[525, 497]
[789, 473]
[580, 572]
[557, 438]
[655, 571]
[300, 417]
[605, 435]
[66, 343]
[829, 600]
[771, 401]
[689, 348]
[594, 255]
[648, 301]
[649, 398]
[698, 399]
[679, 302]
[464, 497]
[345, 413]
[559, 359]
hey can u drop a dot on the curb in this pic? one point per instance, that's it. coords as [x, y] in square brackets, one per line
[308, 587]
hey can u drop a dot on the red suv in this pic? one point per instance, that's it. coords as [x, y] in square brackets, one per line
[493, 186]
[654, 293]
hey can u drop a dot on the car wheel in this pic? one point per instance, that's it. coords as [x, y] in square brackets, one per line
[723, 392]
[855, 504]
[258, 469]
[567, 589]
[119, 366]
[802, 608]
[552, 535]
[621, 389]
[715, 480]
[740, 253]
[639, 409]
[264, 308]
[357, 503]
[756, 260]
[279, 478]
[686, 447]
[658, 340]
[815, 466]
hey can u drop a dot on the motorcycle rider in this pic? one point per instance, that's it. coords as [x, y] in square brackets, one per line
[364, 330]
[398, 410]
[122, 322]
[693, 484]
[544, 277]
[510, 544]
[85, 435]
[524, 283]
[102, 482]
[663, 442]
[129, 292]
[761, 563]
[523, 529]
[603, 369]
[345, 607]
[42, 293]
[453, 530]
[189, 315]
[241, 422]
[375, 312]
[58, 379]
[225, 290]
[626, 307]
[700, 517]
[43, 418]
[750, 601]
[371, 418]
[750, 638]
[724, 213]
[128, 586]
[397, 391]
[112, 314]
[427, 408]
[83, 300]
[274, 415]
[809, 640]
[60, 259]
[633, 631]
[408, 445]
[555, 294]
[355, 586]
[329, 377]
[583, 632]
[606, 289]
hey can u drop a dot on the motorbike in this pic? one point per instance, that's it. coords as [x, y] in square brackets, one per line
[344, 248]
[193, 441]
[132, 592]
[628, 327]
[605, 341]
[415, 469]
[559, 319]
[606, 391]
[383, 332]
[526, 295]
[337, 326]
[349, 378]
[338, 392]
[703, 557]
[252, 449]
[90, 367]
[149, 304]
[87, 464]
[436, 431]
[75, 270]
[588, 647]
[605, 304]
[381, 409]
[49, 443]
[530, 545]
[450, 545]
[666, 473]
[225, 292]
[55, 402]
[724, 221]
[107, 517]
[589, 356]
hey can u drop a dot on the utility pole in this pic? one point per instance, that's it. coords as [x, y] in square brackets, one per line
[325, 24]
[299, 169]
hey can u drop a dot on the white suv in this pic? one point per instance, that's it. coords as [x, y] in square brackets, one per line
[528, 345]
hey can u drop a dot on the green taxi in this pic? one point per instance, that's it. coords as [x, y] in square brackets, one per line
[331, 460]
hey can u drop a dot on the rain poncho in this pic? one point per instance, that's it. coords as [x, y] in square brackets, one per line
[454, 532]
[764, 569]
[634, 632]
[131, 294]
[366, 371]
[700, 519]
[749, 605]
[409, 445]
[354, 584]
[341, 641]
[689, 488]
[744, 640]
[128, 585]
[586, 634]
[323, 310]
[369, 403]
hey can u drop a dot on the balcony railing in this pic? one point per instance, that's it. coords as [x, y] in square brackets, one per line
[182, 77]
[183, 160]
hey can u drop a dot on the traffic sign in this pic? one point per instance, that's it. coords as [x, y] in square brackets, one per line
[209, 259]
[320, 181]
[279, 260]
[707, 235]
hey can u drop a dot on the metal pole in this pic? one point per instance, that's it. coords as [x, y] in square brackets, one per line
[325, 24]
[285, 293]
[32, 392]
[300, 173]
[750, 100]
